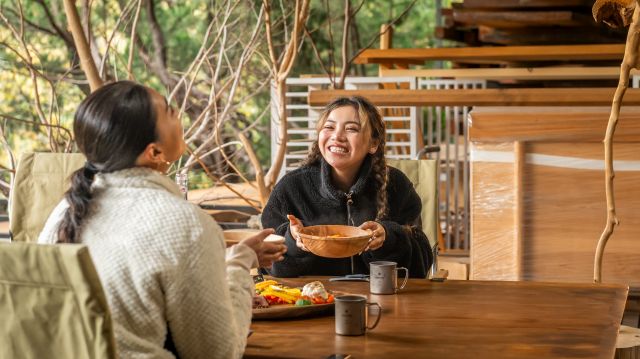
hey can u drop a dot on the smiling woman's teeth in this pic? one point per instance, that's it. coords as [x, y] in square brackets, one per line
[337, 149]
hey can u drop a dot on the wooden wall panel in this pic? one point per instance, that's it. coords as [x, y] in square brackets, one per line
[563, 211]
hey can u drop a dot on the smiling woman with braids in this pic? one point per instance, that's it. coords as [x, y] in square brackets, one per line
[345, 180]
[171, 285]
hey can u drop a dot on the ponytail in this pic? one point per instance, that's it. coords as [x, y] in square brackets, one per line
[112, 127]
[79, 199]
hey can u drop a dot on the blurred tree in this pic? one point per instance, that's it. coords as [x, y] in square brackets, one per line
[211, 58]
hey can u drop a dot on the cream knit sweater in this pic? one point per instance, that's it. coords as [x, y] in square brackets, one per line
[162, 264]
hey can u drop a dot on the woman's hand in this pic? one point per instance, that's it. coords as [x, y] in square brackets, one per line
[295, 225]
[268, 252]
[378, 232]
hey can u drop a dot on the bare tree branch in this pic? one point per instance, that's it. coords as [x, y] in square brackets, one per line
[631, 60]
[216, 179]
[84, 52]
[132, 42]
[345, 43]
[375, 38]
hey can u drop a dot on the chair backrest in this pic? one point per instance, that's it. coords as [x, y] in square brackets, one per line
[40, 183]
[423, 174]
[52, 304]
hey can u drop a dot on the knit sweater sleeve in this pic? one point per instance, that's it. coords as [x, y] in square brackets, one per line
[209, 299]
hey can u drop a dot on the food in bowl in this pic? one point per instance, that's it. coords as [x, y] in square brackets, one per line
[335, 241]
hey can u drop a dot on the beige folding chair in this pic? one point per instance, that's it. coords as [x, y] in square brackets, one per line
[52, 304]
[40, 183]
[423, 174]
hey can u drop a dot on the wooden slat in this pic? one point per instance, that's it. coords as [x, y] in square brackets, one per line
[467, 36]
[503, 53]
[555, 124]
[535, 73]
[521, 19]
[548, 36]
[514, 4]
[483, 97]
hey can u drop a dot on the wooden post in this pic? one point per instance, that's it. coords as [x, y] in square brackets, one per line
[518, 178]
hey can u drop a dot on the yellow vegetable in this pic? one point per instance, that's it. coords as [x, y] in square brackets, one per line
[262, 285]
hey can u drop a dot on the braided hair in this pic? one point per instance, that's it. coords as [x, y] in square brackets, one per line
[370, 118]
[112, 127]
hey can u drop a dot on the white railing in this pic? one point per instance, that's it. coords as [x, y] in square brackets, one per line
[301, 121]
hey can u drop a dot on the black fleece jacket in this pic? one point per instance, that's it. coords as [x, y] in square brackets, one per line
[308, 194]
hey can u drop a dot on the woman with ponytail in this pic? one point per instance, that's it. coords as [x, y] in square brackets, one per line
[345, 180]
[172, 287]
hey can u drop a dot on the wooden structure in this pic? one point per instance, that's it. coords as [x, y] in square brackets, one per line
[483, 97]
[537, 195]
[458, 319]
[503, 54]
[517, 22]
[515, 73]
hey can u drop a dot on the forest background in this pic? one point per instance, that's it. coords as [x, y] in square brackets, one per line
[215, 61]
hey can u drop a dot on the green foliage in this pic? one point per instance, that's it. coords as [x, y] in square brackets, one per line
[183, 25]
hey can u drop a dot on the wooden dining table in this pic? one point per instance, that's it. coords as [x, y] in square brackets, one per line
[458, 319]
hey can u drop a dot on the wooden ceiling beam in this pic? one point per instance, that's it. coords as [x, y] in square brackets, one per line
[483, 97]
[502, 53]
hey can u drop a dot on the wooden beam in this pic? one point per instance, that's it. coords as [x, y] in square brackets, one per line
[549, 36]
[551, 124]
[468, 36]
[482, 97]
[521, 19]
[515, 4]
[498, 74]
[503, 53]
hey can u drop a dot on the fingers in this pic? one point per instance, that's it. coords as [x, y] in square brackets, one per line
[300, 245]
[378, 234]
[273, 248]
[267, 260]
[375, 243]
[293, 221]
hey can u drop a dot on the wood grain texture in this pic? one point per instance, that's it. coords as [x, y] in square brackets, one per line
[500, 53]
[482, 97]
[563, 207]
[521, 19]
[515, 73]
[461, 319]
[560, 124]
[515, 4]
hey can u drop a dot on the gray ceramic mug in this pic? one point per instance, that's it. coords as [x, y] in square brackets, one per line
[352, 315]
[383, 277]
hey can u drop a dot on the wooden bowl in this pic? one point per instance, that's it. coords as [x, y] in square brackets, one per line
[334, 241]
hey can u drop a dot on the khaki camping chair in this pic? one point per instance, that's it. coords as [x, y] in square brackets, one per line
[424, 174]
[40, 183]
[52, 304]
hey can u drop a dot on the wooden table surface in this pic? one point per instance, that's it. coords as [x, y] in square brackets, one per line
[460, 319]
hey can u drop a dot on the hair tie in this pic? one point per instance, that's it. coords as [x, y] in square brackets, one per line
[90, 169]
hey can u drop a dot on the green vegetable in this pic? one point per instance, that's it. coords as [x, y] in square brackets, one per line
[301, 302]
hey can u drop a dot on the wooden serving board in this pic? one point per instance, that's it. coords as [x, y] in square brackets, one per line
[291, 311]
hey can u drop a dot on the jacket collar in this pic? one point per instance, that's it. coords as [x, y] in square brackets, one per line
[328, 190]
[135, 177]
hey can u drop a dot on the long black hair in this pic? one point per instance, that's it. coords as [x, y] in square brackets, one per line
[112, 127]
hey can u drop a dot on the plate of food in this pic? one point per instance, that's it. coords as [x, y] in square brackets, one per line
[275, 300]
